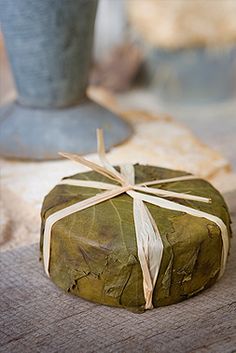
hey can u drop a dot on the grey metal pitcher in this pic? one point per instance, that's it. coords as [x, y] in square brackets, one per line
[49, 45]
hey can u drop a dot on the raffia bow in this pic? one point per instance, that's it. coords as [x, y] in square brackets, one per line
[149, 243]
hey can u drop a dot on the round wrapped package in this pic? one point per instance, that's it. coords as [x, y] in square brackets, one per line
[94, 252]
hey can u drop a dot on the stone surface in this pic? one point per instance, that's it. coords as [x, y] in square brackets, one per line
[49, 46]
[38, 134]
[37, 317]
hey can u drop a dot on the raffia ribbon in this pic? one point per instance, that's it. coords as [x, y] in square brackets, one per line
[149, 242]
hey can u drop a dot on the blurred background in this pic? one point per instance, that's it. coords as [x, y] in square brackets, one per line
[179, 55]
[168, 56]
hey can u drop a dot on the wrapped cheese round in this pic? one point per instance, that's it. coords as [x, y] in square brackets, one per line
[93, 252]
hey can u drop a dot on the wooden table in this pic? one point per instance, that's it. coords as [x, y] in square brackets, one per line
[38, 317]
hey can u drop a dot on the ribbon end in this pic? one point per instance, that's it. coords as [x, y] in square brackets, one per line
[99, 132]
[63, 154]
[67, 155]
[100, 142]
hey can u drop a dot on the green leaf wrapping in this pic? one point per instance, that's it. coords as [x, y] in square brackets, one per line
[94, 251]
